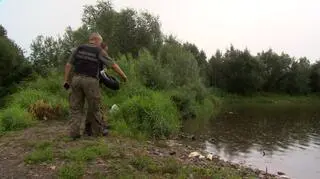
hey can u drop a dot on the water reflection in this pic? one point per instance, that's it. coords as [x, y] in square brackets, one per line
[265, 135]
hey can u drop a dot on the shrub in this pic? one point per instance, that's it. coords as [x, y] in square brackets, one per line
[194, 102]
[29, 96]
[41, 110]
[15, 118]
[184, 102]
[154, 115]
[181, 63]
[51, 84]
[152, 75]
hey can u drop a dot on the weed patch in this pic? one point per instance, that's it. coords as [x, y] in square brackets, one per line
[142, 163]
[43, 153]
[42, 110]
[15, 118]
[88, 153]
[70, 171]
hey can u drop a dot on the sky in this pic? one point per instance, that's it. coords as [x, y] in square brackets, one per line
[290, 26]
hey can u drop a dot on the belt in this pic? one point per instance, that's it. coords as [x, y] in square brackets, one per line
[83, 75]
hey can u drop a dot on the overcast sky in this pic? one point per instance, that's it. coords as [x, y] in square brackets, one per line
[292, 26]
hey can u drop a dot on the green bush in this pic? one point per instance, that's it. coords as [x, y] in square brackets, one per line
[29, 96]
[181, 63]
[15, 118]
[155, 115]
[151, 73]
[52, 84]
[184, 102]
[194, 102]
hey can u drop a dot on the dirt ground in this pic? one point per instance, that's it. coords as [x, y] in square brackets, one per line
[123, 157]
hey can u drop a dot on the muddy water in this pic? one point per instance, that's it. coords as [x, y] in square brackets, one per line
[275, 138]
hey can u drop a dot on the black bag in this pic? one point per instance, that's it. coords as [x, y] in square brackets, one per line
[109, 81]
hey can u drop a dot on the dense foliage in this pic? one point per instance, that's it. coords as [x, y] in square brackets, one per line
[169, 80]
[13, 65]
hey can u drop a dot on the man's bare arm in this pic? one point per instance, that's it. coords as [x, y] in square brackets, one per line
[117, 69]
[67, 70]
[109, 62]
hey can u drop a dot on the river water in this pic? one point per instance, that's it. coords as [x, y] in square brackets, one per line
[275, 138]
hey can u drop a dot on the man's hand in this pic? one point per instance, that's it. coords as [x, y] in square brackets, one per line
[66, 85]
[124, 78]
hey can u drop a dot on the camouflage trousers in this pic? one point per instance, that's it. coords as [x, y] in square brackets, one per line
[85, 89]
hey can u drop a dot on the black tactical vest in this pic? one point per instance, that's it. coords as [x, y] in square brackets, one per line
[87, 61]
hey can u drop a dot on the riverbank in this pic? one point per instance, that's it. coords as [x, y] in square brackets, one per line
[45, 151]
[271, 99]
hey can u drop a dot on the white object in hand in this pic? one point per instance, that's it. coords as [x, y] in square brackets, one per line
[114, 108]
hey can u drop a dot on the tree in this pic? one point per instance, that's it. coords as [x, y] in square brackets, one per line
[46, 53]
[215, 71]
[13, 66]
[298, 80]
[275, 69]
[3, 32]
[315, 77]
[243, 72]
[149, 34]
[182, 63]
[126, 31]
[200, 56]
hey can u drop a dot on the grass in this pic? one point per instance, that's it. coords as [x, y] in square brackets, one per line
[43, 153]
[155, 115]
[170, 166]
[87, 153]
[71, 171]
[145, 164]
[15, 118]
[16, 115]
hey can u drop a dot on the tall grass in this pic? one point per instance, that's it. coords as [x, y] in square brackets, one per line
[16, 115]
[14, 118]
[154, 114]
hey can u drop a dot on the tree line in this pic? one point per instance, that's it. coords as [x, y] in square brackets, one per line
[128, 32]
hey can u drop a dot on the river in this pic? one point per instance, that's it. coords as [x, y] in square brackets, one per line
[271, 137]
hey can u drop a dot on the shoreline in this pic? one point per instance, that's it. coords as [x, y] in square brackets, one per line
[153, 159]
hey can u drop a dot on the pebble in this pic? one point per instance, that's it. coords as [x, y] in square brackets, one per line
[194, 154]
[210, 156]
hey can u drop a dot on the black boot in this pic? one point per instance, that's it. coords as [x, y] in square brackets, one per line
[105, 132]
[88, 129]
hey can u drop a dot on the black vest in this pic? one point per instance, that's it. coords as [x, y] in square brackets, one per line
[87, 61]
